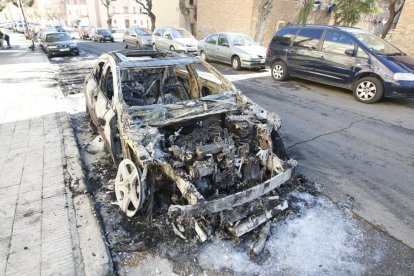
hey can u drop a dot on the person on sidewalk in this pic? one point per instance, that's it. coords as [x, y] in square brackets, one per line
[4, 37]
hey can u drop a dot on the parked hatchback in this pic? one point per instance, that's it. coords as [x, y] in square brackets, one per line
[174, 39]
[137, 37]
[101, 35]
[236, 49]
[342, 56]
[85, 32]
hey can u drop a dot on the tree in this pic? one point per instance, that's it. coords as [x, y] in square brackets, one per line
[263, 11]
[395, 7]
[2, 5]
[304, 12]
[349, 12]
[186, 13]
[106, 4]
[148, 9]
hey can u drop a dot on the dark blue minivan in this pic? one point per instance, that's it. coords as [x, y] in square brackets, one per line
[342, 56]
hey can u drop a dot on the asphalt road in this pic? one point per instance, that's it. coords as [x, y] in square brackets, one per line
[361, 155]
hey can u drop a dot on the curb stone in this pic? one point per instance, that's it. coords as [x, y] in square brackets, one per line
[93, 248]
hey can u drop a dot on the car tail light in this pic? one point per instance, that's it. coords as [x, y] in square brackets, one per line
[267, 52]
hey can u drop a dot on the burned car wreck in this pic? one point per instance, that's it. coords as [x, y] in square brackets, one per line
[183, 135]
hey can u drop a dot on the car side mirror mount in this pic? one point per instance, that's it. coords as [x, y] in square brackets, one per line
[225, 44]
[349, 52]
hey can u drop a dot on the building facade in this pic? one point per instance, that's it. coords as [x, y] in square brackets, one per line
[403, 35]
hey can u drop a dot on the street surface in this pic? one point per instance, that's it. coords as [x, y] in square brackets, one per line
[362, 155]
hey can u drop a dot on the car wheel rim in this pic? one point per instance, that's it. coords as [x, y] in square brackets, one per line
[366, 90]
[235, 63]
[277, 71]
[203, 56]
[154, 47]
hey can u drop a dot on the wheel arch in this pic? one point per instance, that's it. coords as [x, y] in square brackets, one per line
[364, 75]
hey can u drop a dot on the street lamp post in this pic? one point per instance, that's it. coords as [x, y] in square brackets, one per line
[27, 26]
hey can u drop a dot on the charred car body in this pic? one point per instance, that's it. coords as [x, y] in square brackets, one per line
[178, 129]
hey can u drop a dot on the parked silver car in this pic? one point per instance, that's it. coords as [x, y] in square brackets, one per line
[236, 49]
[137, 37]
[174, 39]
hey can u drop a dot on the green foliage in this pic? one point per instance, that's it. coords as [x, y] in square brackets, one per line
[304, 12]
[349, 12]
[2, 5]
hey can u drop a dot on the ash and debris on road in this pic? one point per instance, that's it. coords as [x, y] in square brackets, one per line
[71, 75]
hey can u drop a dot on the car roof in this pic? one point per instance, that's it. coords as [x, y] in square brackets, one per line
[352, 30]
[150, 58]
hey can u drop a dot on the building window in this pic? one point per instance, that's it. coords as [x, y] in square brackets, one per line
[126, 9]
[135, 21]
[113, 9]
[191, 2]
[114, 21]
[134, 10]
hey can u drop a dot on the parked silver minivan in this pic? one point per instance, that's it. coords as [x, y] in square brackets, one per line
[137, 37]
[174, 39]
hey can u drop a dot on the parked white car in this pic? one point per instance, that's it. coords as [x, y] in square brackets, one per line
[174, 39]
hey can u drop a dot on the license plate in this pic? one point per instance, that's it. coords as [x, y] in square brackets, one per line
[64, 49]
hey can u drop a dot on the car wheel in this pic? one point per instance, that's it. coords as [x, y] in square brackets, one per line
[125, 44]
[172, 48]
[49, 55]
[368, 90]
[154, 47]
[203, 56]
[279, 71]
[235, 63]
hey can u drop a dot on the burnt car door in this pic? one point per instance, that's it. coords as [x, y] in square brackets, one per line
[103, 103]
[336, 63]
[92, 82]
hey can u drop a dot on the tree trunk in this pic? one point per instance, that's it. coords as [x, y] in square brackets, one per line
[186, 13]
[393, 14]
[109, 20]
[263, 12]
[152, 17]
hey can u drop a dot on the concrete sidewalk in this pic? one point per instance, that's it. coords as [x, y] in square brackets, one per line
[45, 227]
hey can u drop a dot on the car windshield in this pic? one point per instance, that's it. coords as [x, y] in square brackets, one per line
[241, 40]
[378, 45]
[180, 33]
[104, 32]
[143, 31]
[57, 37]
[168, 85]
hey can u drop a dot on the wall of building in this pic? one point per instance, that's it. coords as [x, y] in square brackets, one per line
[224, 16]
[403, 36]
[168, 13]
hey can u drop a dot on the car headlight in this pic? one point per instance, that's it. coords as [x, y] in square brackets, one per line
[73, 45]
[181, 46]
[404, 76]
[52, 47]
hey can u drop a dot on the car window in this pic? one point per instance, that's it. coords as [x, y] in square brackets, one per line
[361, 53]
[57, 37]
[222, 40]
[308, 38]
[180, 33]
[337, 43]
[241, 40]
[142, 31]
[212, 39]
[98, 71]
[158, 32]
[107, 85]
[378, 45]
[284, 36]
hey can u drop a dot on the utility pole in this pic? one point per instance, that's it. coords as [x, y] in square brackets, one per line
[27, 26]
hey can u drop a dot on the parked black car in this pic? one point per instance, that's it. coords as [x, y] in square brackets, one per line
[342, 56]
[58, 43]
[101, 35]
